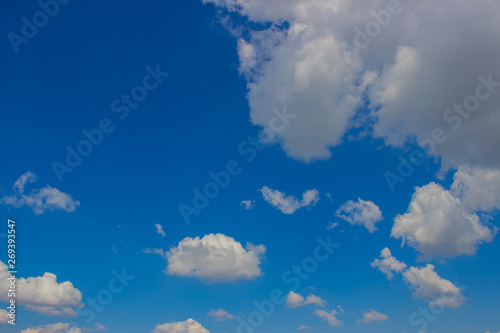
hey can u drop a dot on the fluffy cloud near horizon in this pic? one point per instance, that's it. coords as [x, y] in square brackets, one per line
[364, 213]
[188, 326]
[43, 294]
[289, 204]
[372, 316]
[443, 223]
[294, 300]
[424, 281]
[39, 200]
[310, 57]
[215, 257]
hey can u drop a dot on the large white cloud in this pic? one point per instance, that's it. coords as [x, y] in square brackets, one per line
[424, 281]
[442, 223]
[289, 204]
[363, 212]
[188, 326]
[39, 200]
[43, 294]
[413, 67]
[217, 258]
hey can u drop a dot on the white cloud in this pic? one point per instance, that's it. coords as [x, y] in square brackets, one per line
[438, 224]
[294, 300]
[53, 328]
[159, 230]
[304, 327]
[332, 225]
[304, 66]
[188, 326]
[371, 316]
[388, 264]
[288, 205]
[3, 317]
[154, 251]
[220, 315]
[363, 212]
[43, 293]
[39, 200]
[425, 282]
[248, 204]
[217, 258]
[329, 317]
[478, 188]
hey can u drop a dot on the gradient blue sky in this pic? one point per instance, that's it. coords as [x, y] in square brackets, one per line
[64, 80]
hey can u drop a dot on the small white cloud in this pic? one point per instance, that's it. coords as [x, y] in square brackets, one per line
[159, 229]
[154, 251]
[387, 264]
[3, 317]
[217, 258]
[304, 327]
[289, 204]
[220, 315]
[332, 225]
[330, 317]
[364, 213]
[371, 316]
[248, 204]
[188, 326]
[39, 200]
[294, 300]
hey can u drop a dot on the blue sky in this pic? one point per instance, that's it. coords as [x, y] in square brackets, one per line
[212, 81]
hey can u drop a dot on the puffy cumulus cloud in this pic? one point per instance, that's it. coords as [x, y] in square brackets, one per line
[418, 70]
[427, 284]
[188, 326]
[39, 200]
[53, 328]
[289, 204]
[364, 213]
[478, 188]
[220, 315]
[439, 224]
[43, 294]
[159, 230]
[216, 258]
[424, 281]
[294, 300]
[373, 315]
[388, 264]
[330, 317]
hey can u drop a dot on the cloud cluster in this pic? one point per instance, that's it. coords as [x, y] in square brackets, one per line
[294, 300]
[444, 223]
[39, 200]
[424, 281]
[43, 294]
[188, 326]
[414, 64]
[363, 212]
[289, 204]
[215, 257]
[53, 328]
[371, 316]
